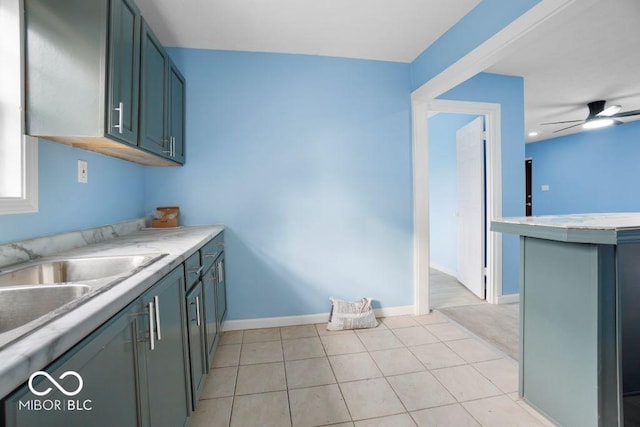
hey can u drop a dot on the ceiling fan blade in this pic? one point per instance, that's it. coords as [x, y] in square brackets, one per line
[560, 123]
[627, 114]
[560, 130]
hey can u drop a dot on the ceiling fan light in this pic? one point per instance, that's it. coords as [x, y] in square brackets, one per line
[610, 111]
[598, 123]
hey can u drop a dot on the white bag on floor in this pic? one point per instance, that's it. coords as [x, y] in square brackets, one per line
[351, 315]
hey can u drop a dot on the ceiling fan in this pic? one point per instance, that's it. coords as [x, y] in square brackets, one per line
[598, 117]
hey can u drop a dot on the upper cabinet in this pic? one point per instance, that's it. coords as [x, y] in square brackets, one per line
[98, 79]
[161, 101]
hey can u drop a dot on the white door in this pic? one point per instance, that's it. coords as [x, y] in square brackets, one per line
[470, 188]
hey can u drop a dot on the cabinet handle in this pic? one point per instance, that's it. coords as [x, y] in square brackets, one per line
[120, 111]
[220, 244]
[152, 343]
[210, 254]
[196, 271]
[173, 146]
[220, 272]
[156, 300]
[198, 310]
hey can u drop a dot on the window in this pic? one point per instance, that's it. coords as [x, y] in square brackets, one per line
[18, 153]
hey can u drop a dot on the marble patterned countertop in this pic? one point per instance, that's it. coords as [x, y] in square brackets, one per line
[605, 228]
[35, 350]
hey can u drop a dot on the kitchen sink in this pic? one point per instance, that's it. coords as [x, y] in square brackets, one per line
[36, 292]
[60, 270]
[22, 304]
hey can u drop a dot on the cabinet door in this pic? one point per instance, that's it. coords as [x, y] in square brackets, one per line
[166, 360]
[221, 291]
[196, 341]
[107, 363]
[211, 327]
[153, 95]
[176, 113]
[124, 71]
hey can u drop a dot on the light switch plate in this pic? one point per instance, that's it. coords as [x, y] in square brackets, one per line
[544, 188]
[83, 173]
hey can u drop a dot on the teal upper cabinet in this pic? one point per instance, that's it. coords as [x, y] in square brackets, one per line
[124, 71]
[162, 101]
[84, 80]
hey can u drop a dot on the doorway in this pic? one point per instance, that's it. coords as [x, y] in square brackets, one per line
[457, 209]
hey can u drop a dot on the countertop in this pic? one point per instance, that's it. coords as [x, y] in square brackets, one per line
[600, 228]
[32, 352]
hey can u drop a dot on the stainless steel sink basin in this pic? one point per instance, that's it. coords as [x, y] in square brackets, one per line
[72, 269]
[22, 304]
[36, 292]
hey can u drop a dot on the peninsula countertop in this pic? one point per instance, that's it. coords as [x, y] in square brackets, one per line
[600, 228]
[34, 351]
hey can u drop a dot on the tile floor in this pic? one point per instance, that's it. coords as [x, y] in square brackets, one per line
[410, 370]
[446, 291]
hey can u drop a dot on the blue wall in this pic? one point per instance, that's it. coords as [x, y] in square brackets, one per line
[443, 203]
[507, 91]
[476, 27]
[307, 161]
[593, 171]
[113, 194]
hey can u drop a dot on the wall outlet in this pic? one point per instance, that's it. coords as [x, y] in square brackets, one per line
[83, 174]
[545, 188]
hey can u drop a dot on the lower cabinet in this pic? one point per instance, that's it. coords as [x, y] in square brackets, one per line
[211, 327]
[196, 328]
[107, 363]
[165, 352]
[129, 372]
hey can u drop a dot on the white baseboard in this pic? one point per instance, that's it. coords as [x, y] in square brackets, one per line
[444, 270]
[305, 319]
[508, 299]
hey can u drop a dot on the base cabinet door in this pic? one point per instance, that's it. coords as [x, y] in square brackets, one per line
[221, 291]
[211, 323]
[106, 364]
[165, 352]
[196, 327]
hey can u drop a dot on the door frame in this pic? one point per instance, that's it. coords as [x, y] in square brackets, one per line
[423, 99]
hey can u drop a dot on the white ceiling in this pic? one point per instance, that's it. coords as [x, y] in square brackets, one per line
[586, 54]
[388, 30]
[591, 51]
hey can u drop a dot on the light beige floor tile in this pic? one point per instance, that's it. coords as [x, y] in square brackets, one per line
[465, 383]
[264, 409]
[430, 319]
[500, 411]
[416, 335]
[472, 350]
[213, 413]
[261, 378]
[379, 340]
[444, 416]
[503, 373]
[370, 399]
[226, 355]
[322, 330]
[301, 331]
[261, 352]
[309, 372]
[342, 344]
[353, 367]
[261, 335]
[396, 361]
[420, 390]
[399, 321]
[447, 331]
[437, 355]
[315, 406]
[231, 337]
[302, 348]
[341, 425]
[221, 382]
[400, 420]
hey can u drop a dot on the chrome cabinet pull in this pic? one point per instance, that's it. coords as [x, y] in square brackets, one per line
[173, 146]
[220, 272]
[220, 244]
[120, 111]
[210, 254]
[198, 310]
[157, 305]
[152, 343]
